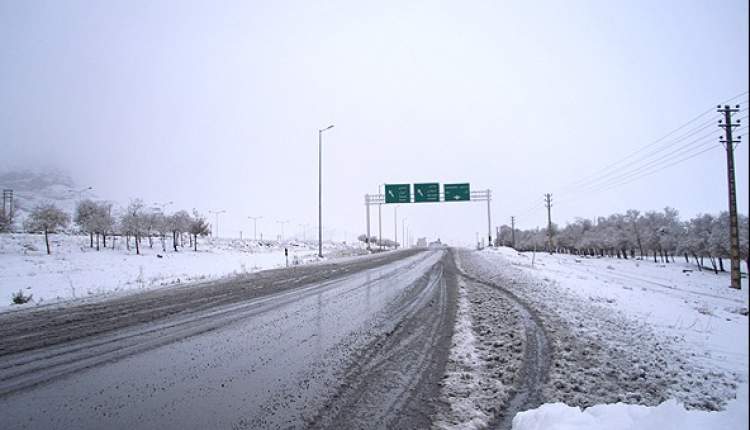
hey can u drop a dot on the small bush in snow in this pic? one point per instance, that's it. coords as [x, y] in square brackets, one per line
[20, 298]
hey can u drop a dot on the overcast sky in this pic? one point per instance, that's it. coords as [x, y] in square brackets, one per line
[216, 105]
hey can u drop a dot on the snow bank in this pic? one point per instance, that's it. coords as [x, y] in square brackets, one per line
[620, 416]
[629, 332]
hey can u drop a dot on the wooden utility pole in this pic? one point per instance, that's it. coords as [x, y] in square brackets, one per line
[734, 236]
[513, 232]
[548, 204]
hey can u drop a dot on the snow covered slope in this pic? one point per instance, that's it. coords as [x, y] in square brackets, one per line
[31, 188]
[75, 271]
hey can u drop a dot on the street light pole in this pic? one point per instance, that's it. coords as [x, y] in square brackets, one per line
[282, 227]
[320, 189]
[217, 213]
[255, 226]
[83, 190]
[403, 230]
[395, 226]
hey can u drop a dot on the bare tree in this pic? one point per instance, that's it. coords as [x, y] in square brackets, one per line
[46, 218]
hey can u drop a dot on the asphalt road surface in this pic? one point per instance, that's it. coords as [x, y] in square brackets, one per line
[358, 344]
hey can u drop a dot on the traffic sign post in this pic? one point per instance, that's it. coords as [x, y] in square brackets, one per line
[397, 193]
[427, 192]
[456, 192]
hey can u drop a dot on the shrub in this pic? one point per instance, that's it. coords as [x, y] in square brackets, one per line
[20, 298]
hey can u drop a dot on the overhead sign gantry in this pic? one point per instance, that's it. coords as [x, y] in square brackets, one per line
[429, 192]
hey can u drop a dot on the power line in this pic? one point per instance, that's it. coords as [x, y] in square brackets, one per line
[707, 125]
[647, 146]
[616, 173]
[653, 170]
[665, 158]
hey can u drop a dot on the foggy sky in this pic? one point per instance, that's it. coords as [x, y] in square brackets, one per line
[216, 105]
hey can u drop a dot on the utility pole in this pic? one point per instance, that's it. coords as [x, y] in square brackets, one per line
[217, 213]
[513, 232]
[734, 236]
[255, 226]
[548, 204]
[320, 190]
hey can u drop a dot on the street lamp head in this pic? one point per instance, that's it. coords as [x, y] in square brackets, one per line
[327, 128]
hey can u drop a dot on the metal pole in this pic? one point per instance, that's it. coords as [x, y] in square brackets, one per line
[395, 225]
[320, 190]
[489, 220]
[403, 230]
[320, 193]
[217, 220]
[255, 226]
[380, 222]
[367, 205]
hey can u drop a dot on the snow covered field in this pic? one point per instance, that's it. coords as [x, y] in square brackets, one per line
[75, 271]
[663, 331]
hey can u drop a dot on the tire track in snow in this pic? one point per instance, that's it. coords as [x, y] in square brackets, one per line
[527, 391]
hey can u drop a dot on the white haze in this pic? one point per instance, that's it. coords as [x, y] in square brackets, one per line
[216, 105]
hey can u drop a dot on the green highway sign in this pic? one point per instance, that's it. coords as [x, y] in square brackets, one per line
[427, 192]
[397, 193]
[457, 192]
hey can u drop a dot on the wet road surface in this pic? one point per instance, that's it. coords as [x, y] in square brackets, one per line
[360, 344]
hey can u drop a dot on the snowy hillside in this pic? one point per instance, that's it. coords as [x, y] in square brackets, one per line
[31, 188]
[75, 271]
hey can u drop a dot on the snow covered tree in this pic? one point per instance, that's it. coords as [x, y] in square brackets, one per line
[104, 222]
[632, 221]
[179, 222]
[718, 240]
[161, 226]
[132, 222]
[198, 227]
[84, 216]
[742, 220]
[46, 218]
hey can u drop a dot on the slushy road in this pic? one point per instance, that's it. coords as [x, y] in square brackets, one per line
[357, 344]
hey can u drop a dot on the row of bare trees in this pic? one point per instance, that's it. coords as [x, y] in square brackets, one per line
[654, 234]
[136, 222]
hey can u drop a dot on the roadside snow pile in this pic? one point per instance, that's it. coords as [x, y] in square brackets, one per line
[620, 416]
[609, 350]
[75, 271]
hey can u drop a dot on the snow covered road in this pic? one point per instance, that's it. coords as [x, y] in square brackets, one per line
[356, 344]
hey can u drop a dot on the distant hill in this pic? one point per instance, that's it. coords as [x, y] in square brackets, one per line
[31, 188]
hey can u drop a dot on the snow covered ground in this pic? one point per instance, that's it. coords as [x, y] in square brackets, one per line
[644, 332]
[75, 271]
